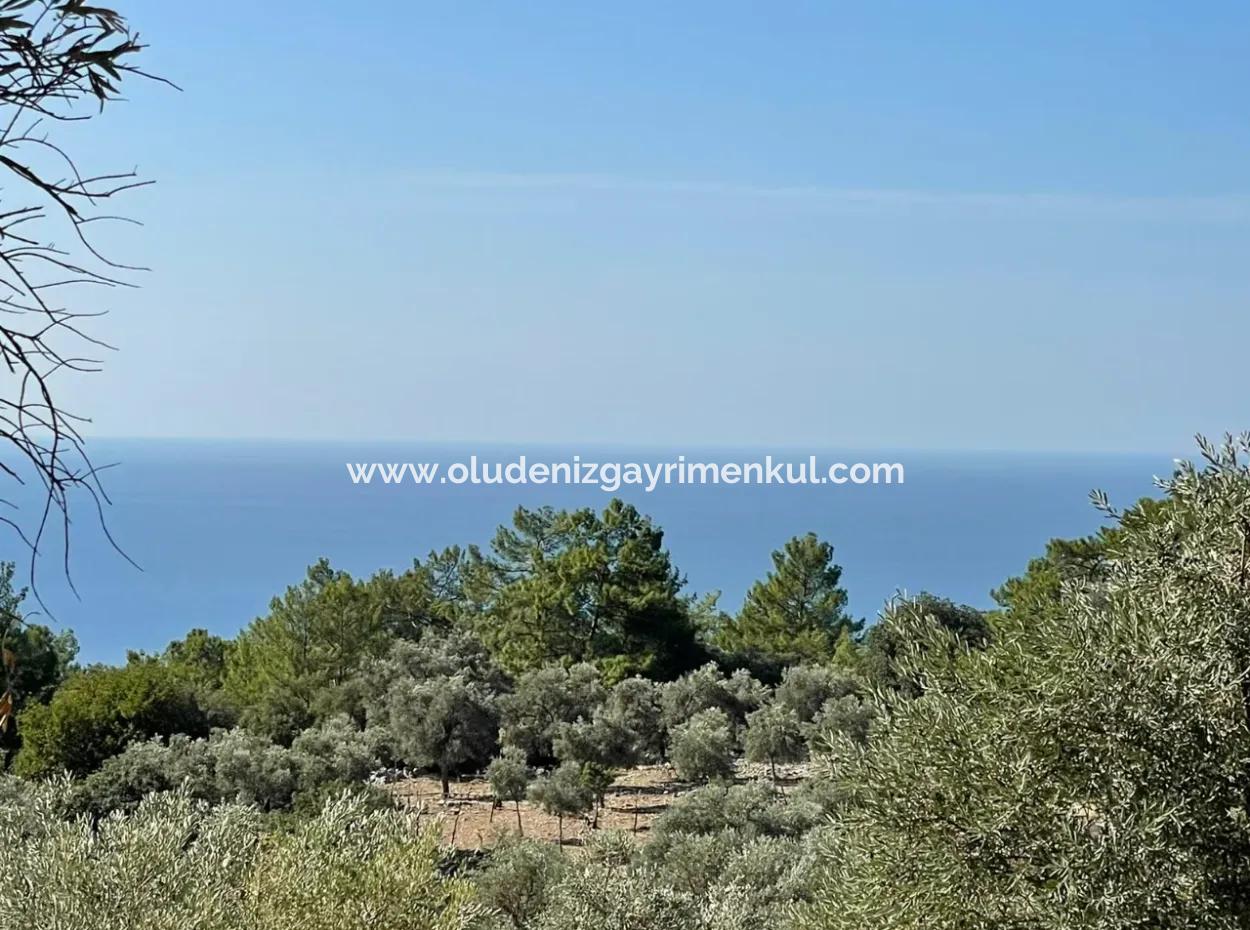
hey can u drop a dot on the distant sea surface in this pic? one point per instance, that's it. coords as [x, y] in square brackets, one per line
[219, 528]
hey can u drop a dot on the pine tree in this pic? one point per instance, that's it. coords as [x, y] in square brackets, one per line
[798, 612]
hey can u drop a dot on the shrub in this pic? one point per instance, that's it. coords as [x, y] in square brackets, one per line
[334, 751]
[805, 689]
[702, 748]
[707, 688]
[173, 864]
[849, 717]
[251, 769]
[518, 877]
[352, 867]
[177, 864]
[145, 768]
[1090, 768]
[632, 712]
[610, 897]
[96, 713]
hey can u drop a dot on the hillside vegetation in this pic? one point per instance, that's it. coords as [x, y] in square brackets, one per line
[1077, 758]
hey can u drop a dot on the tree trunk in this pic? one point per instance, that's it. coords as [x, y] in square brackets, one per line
[519, 829]
[446, 783]
[772, 764]
[560, 828]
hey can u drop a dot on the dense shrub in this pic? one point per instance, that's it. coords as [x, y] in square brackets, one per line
[707, 688]
[177, 864]
[1088, 770]
[336, 750]
[805, 689]
[518, 878]
[613, 897]
[849, 717]
[99, 711]
[703, 747]
[251, 769]
[632, 712]
[147, 767]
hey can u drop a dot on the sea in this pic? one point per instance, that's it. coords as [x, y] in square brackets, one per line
[210, 531]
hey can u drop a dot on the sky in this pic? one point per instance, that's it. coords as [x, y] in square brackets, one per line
[945, 226]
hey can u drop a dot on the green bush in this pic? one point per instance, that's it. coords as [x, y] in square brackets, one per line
[178, 864]
[1091, 768]
[703, 748]
[96, 713]
[608, 897]
[518, 877]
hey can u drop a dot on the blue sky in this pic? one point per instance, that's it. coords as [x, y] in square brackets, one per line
[955, 226]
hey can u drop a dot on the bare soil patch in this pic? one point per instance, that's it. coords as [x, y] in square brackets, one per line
[470, 821]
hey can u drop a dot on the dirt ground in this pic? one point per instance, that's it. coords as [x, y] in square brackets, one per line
[470, 821]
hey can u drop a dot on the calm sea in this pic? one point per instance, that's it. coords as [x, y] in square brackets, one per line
[218, 528]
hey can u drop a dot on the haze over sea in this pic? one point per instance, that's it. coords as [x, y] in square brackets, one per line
[221, 527]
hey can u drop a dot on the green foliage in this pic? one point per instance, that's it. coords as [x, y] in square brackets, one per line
[176, 864]
[849, 717]
[232, 765]
[632, 714]
[1092, 768]
[250, 769]
[708, 688]
[637, 901]
[149, 767]
[509, 778]
[544, 700]
[774, 735]
[291, 667]
[562, 793]
[33, 661]
[588, 587]
[448, 724]
[702, 748]
[100, 710]
[805, 689]
[518, 878]
[922, 622]
[334, 751]
[798, 612]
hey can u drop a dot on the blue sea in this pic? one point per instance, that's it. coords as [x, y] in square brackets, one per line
[218, 528]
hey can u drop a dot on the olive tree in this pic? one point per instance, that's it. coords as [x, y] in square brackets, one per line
[703, 747]
[1091, 769]
[562, 793]
[774, 735]
[509, 778]
[446, 724]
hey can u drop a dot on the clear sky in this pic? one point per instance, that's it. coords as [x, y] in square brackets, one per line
[956, 225]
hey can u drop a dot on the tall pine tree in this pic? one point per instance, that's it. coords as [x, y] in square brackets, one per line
[798, 612]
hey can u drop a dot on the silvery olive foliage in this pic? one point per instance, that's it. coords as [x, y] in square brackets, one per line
[703, 748]
[773, 734]
[1092, 768]
[176, 863]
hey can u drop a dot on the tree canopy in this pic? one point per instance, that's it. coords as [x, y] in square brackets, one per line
[798, 612]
